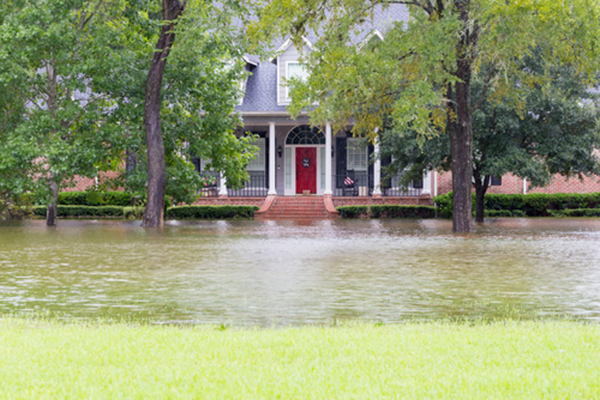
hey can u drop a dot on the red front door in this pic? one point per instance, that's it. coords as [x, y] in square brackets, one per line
[306, 169]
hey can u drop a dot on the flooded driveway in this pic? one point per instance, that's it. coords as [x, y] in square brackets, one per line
[280, 273]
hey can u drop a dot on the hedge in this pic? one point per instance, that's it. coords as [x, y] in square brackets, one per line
[211, 212]
[353, 211]
[98, 198]
[531, 205]
[540, 204]
[504, 213]
[133, 212]
[387, 211]
[94, 198]
[576, 212]
[82, 211]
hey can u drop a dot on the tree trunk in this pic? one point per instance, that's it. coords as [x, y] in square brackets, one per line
[157, 177]
[481, 187]
[461, 147]
[461, 134]
[51, 210]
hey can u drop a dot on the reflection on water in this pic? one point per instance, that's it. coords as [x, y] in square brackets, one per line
[271, 273]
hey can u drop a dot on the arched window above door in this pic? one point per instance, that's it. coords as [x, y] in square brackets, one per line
[305, 134]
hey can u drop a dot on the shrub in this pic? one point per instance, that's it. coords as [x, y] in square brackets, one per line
[576, 212]
[82, 211]
[532, 205]
[133, 212]
[211, 212]
[109, 198]
[96, 198]
[498, 213]
[518, 213]
[387, 211]
[353, 211]
[444, 205]
[400, 211]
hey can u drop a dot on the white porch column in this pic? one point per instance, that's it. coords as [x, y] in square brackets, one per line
[272, 168]
[223, 187]
[524, 185]
[376, 170]
[426, 184]
[328, 160]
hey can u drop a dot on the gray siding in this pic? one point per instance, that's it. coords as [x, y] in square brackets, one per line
[291, 54]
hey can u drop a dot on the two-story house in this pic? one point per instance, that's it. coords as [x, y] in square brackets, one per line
[296, 158]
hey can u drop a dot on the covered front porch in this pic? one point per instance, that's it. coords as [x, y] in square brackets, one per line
[297, 159]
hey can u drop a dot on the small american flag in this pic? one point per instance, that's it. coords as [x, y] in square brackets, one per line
[348, 181]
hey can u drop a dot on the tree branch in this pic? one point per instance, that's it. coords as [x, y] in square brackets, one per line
[486, 86]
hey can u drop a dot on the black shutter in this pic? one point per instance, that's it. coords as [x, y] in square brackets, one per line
[370, 166]
[267, 162]
[385, 184]
[340, 161]
[196, 162]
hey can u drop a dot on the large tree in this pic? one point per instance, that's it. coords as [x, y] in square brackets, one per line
[54, 126]
[73, 94]
[188, 102]
[554, 131]
[421, 73]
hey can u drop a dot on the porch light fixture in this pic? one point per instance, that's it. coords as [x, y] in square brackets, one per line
[332, 151]
[279, 151]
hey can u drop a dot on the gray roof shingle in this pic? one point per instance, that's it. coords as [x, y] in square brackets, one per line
[261, 86]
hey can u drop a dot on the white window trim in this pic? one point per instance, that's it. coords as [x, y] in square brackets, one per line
[287, 77]
[352, 146]
[264, 148]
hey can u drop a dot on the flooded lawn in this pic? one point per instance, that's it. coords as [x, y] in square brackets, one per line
[282, 273]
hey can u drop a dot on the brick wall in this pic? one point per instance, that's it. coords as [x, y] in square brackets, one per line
[230, 201]
[513, 184]
[82, 183]
[364, 201]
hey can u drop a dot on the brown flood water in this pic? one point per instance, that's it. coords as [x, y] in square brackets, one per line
[291, 273]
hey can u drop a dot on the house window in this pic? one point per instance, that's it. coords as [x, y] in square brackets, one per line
[200, 164]
[496, 181]
[356, 155]
[295, 70]
[305, 134]
[258, 163]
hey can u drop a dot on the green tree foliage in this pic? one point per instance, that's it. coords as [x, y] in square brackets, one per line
[53, 126]
[200, 88]
[421, 73]
[555, 130]
[72, 94]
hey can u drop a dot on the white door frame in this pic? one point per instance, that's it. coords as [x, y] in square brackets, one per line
[292, 191]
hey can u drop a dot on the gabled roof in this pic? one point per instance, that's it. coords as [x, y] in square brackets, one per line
[287, 43]
[261, 86]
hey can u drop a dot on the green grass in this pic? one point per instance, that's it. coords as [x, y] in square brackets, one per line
[527, 360]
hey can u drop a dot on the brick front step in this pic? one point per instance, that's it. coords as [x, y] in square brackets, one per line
[297, 208]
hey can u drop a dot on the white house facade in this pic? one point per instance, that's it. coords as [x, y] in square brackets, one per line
[297, 159]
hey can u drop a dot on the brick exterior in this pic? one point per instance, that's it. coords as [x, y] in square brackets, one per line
[364, 201]
[513, 184]
[337, 201]
[230, 201]
[82, 183]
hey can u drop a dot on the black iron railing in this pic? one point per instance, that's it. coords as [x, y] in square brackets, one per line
[354, 184]
[363, 186]
[212, 181]
[392, 187]
[256, 186]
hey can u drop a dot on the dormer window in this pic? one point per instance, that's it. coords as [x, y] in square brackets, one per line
[295, 69]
